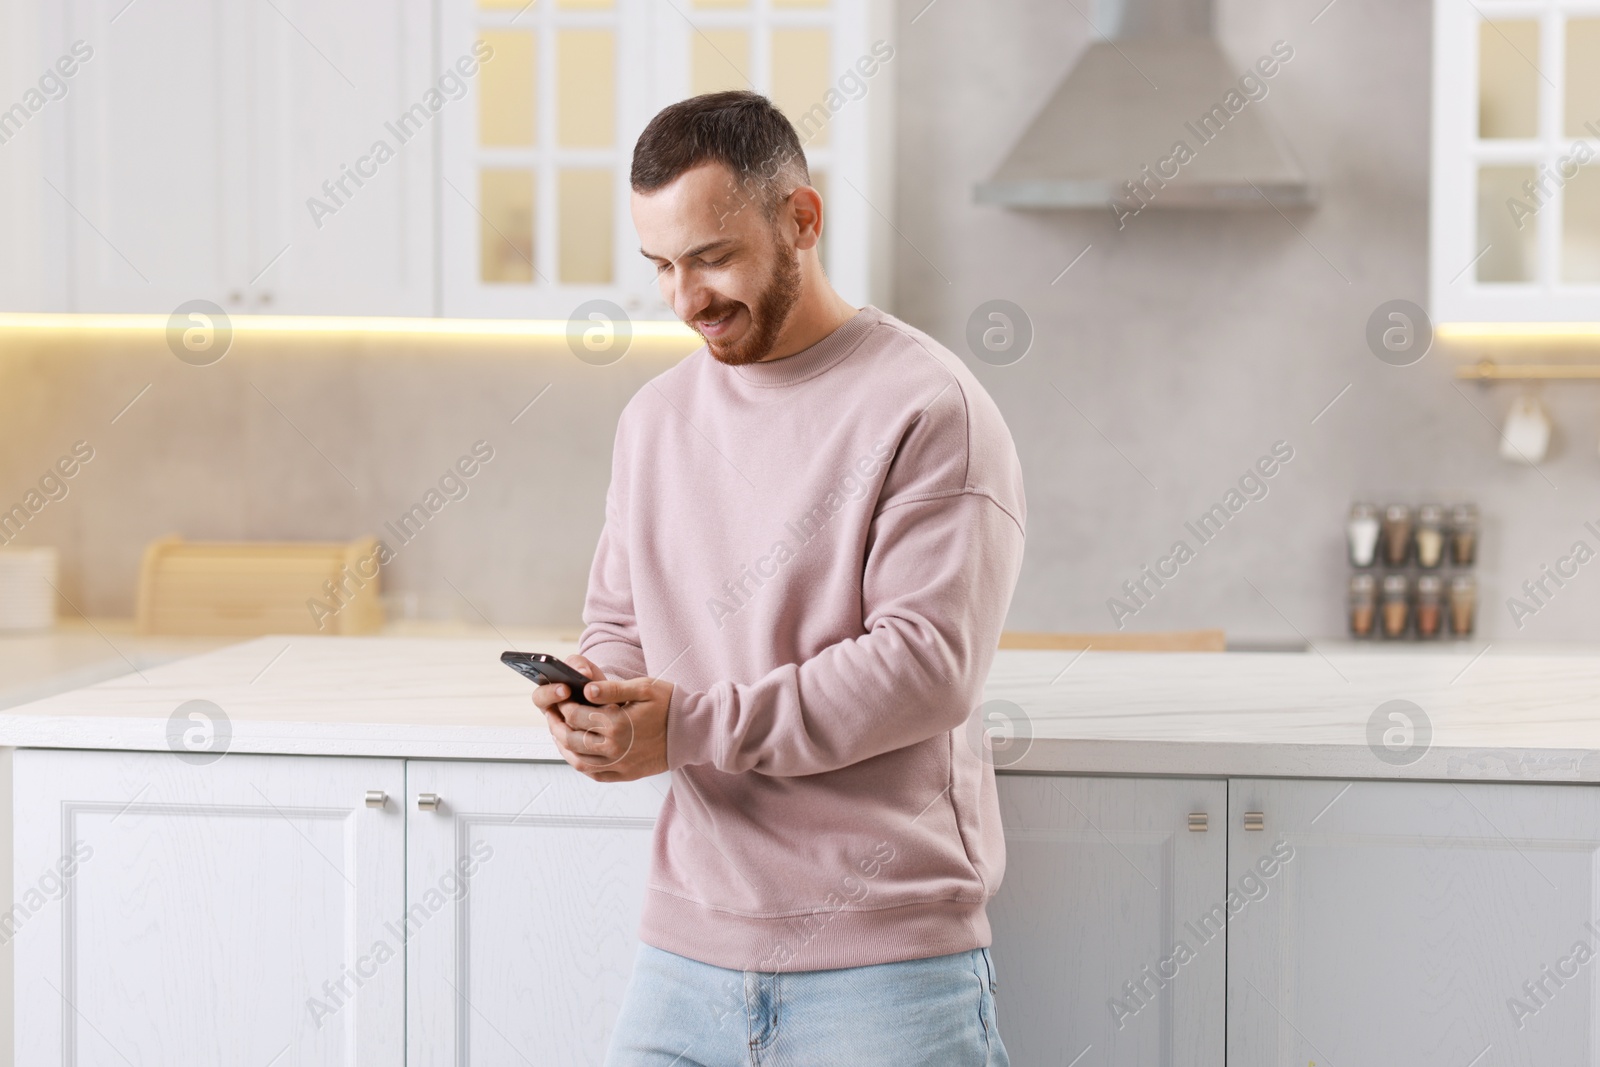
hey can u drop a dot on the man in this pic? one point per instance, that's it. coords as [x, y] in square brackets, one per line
[813, 528]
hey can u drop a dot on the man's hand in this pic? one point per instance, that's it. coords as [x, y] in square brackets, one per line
[623, 739]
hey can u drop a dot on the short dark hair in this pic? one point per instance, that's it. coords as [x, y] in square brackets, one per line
[743, 131]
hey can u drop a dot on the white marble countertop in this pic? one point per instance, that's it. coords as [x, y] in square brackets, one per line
[79, 652]
[1510, 716]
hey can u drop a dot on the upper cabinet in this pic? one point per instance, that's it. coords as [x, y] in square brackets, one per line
[465, 158]
[534, 183]
[1515, 218]
[268, 157]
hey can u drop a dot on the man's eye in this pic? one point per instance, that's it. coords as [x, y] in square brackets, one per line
[719, 261]
[661, 267]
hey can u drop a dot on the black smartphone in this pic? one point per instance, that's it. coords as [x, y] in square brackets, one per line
[541, 669]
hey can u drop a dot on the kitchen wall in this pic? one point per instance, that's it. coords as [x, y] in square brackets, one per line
[1170, 357]
[1179, 349]
[330, 438]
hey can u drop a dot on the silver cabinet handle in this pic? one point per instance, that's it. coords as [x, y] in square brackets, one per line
[1198, 821]
[1255, 820]
[427, 801]
[377, 798]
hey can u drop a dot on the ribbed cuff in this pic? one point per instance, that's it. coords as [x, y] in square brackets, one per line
[616, 658]
[691, 738]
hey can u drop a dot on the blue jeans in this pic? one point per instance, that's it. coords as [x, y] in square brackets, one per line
[682, 1013]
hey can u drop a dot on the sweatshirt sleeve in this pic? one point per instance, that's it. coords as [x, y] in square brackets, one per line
[936, 586]
[610, 637]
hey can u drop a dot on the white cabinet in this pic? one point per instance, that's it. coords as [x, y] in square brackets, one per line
[173, 913]
[525, 959]
[1416, 923]
[201, 138]
[535, 162]
[306, 909]
[1104, 881]
[1514, 229]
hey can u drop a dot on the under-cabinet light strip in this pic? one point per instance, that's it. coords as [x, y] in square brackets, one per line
[653, 329]
[1518, 331]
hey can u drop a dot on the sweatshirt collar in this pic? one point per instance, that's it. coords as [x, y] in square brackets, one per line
[810, 362]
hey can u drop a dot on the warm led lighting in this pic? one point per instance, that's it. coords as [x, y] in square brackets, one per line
[650, 329]
[1518, 331]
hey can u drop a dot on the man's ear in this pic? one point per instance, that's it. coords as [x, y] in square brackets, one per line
[805, 212]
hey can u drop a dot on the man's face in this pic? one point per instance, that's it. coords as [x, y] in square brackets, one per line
[725, 269]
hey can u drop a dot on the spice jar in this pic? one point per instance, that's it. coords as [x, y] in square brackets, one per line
[1396, 608]
[1430, 605]
[1463, 604]
[1363, 603]
[1463, 534]
[1361, 533]
[1430, 536]
[1396, 534]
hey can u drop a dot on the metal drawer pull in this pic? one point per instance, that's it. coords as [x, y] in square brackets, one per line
[428, 801]
[1198, 822]
[377, 798]
[1255, 820]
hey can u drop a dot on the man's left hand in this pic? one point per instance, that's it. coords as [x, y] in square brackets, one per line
[624, 738]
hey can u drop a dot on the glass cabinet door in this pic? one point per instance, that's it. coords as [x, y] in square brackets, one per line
[534, 197]
[1516, 161]
[1538, 75]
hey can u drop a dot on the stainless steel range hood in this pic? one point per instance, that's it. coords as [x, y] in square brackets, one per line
[1109, 134]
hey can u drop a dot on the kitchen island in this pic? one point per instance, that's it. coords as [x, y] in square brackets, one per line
[366, 850]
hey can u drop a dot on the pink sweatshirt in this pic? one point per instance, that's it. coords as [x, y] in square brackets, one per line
[818, 552]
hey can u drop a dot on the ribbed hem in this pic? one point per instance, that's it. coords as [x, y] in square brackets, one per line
[823, 941]
[810, 362]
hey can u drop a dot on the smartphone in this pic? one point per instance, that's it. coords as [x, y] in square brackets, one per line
[541, 669]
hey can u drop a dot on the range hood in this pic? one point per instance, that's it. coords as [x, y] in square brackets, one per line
[1108, 137]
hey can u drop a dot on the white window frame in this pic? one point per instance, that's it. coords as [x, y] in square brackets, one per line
[1455, 293]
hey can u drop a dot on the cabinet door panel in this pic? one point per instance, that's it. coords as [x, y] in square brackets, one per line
[1408, 920]
[344, 164]
[1104, 881]
[180, 914]
[156, 180]
[530, 879]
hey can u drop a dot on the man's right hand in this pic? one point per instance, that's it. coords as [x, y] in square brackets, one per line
[569, 721]
[556, 700]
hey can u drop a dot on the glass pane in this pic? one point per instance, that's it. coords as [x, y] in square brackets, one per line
[1583, 77]
[800, 77]
[586, 214]
[506, 96]
[585, 88]
[1508, 78]
[1511, 233]
[1580, 228]
[505, 236]
[719, 59]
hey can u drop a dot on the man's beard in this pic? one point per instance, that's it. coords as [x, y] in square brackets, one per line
[768, 316]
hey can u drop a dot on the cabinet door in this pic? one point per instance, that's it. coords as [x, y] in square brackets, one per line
[344, 157]
[158, 141]
[524, 890]
[1106, 944]
[1416, 922]
[231, 152]
[225, 913]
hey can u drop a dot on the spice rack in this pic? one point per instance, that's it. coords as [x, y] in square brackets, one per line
[1414, 576]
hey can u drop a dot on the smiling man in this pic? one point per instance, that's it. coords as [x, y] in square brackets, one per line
[813, 529]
